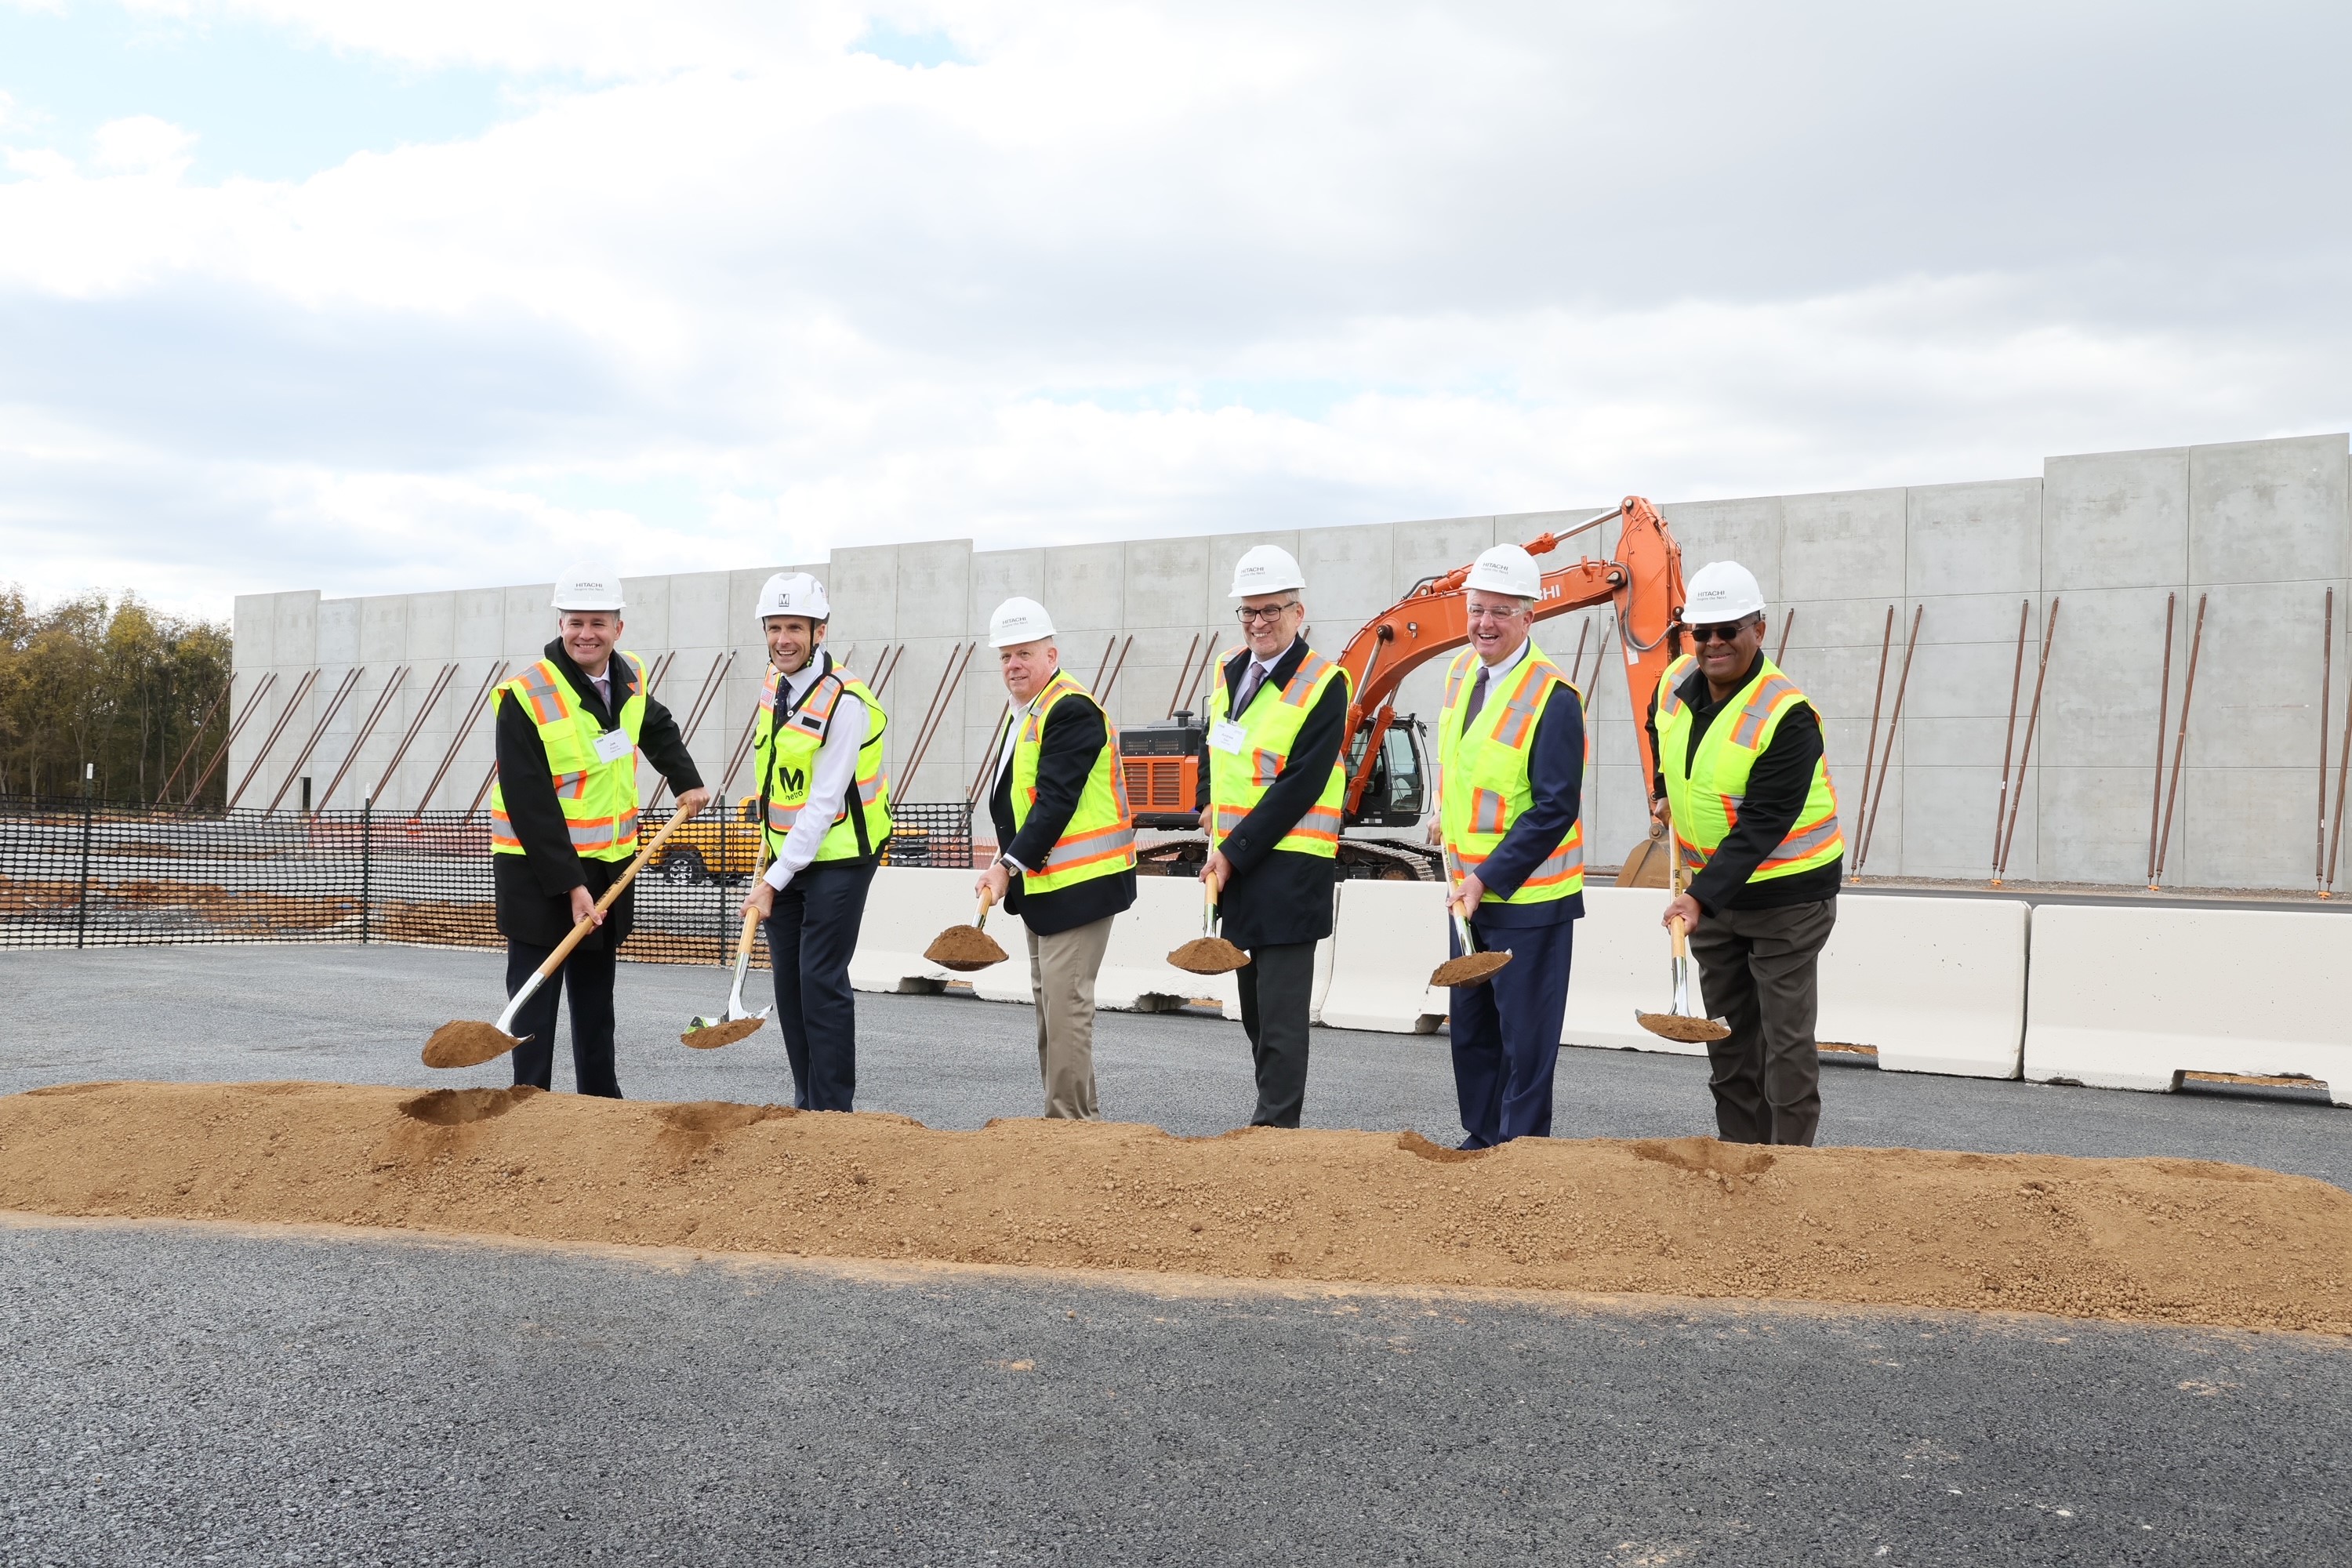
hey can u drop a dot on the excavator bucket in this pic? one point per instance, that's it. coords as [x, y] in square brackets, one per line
[1646, 864]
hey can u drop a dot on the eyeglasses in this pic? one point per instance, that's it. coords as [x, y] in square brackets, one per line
[1727, 633]
[1270, 614]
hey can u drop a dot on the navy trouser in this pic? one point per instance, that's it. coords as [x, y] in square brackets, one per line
[812, 932]
[587, 978]
[1506, 1033]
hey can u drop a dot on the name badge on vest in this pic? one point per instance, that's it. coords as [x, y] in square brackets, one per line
[613, 745]
[1228, 736]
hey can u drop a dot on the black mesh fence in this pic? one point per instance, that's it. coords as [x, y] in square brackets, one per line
[81, 873]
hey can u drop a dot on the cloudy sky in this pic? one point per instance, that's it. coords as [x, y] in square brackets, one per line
[394, 294]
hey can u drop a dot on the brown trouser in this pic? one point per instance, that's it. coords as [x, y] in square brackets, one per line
[1061, 976]
[1760, 970]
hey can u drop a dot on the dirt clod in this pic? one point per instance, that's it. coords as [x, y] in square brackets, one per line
[964, 948]
[1470, 968]
[1677, 1026]
[713, 1036]
[1414, 1143]
[2157, 1240]
[455, 1107]
[466, 1045]
[1208, 955]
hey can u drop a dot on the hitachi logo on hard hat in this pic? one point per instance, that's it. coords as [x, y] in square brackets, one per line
[1722, 590]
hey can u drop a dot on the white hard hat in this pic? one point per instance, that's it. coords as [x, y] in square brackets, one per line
[587, 588]
[1018, 620]
[1722, 590]
[793, 593]
[1266, 569]
[1506, 569]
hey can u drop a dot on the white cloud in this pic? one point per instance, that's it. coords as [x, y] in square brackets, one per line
[1139, 269]
[142, 144]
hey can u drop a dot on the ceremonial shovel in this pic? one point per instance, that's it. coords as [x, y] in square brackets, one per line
[1681, 1024]
[737, 1021]
[966, 948]
[1206, 954]
[1474, 965]
[466, 1045]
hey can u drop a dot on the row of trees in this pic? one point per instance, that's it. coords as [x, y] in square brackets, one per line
[113, 683]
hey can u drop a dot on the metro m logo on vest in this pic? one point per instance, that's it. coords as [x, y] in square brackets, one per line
[792, 778]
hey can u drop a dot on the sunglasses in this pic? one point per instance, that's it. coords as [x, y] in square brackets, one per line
[1717, 633]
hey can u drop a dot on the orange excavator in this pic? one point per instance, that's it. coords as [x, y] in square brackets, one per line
[1388, 752]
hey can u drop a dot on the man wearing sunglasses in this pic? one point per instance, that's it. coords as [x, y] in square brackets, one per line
[1277, 720]
[1744, 780]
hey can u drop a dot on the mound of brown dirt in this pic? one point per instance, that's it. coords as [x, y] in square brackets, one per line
[2157, 1240]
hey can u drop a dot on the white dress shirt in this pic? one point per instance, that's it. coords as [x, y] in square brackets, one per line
[1013, 723]
[830, 782]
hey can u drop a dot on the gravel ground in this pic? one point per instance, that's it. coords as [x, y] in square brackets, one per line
[361, 1014]
[189, 1393]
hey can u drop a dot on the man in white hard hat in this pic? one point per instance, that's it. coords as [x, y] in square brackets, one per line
[1065, 843]
[1510, 785]
[1273, 788]
[1744, 780]
[564, 819]
[825, 815]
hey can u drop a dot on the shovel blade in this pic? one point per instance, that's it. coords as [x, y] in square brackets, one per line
[467, 1045]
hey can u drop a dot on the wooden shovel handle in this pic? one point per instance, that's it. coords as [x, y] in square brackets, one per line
[612, 894]
[1681, 936]
[750, 917]
[986, 899]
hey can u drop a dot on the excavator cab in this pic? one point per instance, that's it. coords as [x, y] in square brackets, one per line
[1398, 794]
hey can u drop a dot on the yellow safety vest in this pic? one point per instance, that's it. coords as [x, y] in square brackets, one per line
[1239, 779]
[1100, 840]
[1706, 792]
[1484, 783]
[599, 798]
[785, 758]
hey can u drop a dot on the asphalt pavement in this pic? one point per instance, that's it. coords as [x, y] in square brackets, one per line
[189, 1393]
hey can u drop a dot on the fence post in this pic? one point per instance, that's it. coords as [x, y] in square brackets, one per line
[81, 904]
[367, 847]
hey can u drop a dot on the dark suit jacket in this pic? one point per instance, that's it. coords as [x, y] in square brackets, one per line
[534, 887]
[1073, 737]
[1281, 896]
[1556, 781]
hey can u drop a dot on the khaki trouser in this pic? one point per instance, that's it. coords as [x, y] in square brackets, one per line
[1062, 970]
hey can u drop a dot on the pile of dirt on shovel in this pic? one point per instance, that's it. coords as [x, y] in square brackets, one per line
[2153, 1240]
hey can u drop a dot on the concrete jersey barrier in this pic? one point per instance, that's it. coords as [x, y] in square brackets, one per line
[1136, 976]
[1385, 939]
[1932, 984]
[2131, 998]
[905, 909]
[1621, 964]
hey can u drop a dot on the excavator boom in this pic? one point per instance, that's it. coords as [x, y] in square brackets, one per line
[1644, 581]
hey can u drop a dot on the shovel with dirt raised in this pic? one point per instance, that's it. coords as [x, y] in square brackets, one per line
[1207, 954]
[466, 1045]
[1681, 1024]
[1474, 965]
[966, 948]
[738, 1021]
